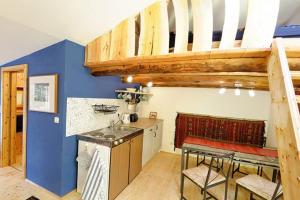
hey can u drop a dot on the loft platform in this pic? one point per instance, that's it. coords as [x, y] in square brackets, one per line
[215, 68]
[139, 46]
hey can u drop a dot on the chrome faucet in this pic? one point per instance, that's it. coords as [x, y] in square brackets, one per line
[112, 123]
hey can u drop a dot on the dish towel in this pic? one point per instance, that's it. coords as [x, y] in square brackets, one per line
[93, 188]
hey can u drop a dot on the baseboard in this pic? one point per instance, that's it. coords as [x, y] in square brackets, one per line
[47, 191]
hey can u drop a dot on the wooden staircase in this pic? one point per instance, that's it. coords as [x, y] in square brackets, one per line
[296, 77]
[286, 118]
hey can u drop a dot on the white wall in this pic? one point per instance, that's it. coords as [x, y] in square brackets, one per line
[168, 101]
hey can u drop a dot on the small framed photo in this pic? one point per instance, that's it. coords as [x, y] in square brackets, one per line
[153, 115]
[43, 93]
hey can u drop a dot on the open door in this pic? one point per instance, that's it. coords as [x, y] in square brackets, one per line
[14, 117]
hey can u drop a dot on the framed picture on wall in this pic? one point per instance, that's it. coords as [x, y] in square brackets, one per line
[152, 115]
[43, 93]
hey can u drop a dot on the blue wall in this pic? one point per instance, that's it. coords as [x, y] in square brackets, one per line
[50, 155]
[44, 138]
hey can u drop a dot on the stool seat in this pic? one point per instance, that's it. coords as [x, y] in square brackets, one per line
[199, 175]
[259, 185]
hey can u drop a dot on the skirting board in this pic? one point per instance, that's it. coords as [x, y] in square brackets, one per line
[47, 191]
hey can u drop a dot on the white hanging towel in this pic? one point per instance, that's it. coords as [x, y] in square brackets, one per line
[93, 188]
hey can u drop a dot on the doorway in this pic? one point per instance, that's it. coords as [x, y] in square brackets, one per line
[14, 117]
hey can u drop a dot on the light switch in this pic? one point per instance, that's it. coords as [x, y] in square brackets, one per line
[56, 120]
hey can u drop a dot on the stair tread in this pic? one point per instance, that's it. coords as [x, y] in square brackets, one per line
[298, 98]
[295, 75]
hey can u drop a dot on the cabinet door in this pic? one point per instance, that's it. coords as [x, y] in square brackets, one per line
[157, 137]
[147, 146]
[136, 149]
[119, 167]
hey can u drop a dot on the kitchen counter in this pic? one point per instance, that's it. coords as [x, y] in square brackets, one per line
[110, 136]
[144, 123]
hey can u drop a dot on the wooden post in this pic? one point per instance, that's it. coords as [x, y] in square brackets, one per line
[286, 120]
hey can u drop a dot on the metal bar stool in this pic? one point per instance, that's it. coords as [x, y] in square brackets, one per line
[259, 186]
[206, 177]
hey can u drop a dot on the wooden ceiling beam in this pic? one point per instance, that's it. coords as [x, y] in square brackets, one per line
[235, 60]
[203, 55]
[258, 81]
[192, 66]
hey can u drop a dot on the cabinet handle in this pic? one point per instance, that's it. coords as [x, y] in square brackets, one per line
[154, 134]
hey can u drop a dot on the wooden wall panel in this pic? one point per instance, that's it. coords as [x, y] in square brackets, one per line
[154, 35]
[261, 23]
[13, 117]
[231, 22]
[98, 50]
[123, 40]
[6, 119]
[146, 32]
[182, 25]
[20, 79]
[161, 28]
[203, 24]
[105, 46]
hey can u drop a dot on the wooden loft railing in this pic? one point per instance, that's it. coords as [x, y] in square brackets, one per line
[286, 117]
[139, 46]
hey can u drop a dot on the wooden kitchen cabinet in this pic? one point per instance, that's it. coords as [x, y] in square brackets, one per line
[136, 149]
[119, 167]
[125, 164]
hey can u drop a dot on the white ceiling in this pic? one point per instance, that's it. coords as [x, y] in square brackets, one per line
[30, 25]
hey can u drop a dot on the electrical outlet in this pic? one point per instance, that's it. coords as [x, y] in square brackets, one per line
[56, 120]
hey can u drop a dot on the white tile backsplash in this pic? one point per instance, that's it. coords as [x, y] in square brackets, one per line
[81, 117]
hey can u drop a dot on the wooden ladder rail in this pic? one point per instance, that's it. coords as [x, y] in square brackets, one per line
[286, 119]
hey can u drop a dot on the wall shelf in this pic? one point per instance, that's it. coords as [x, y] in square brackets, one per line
[106, 109]
[130, 92]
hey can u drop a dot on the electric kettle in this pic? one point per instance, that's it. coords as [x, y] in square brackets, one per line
[125, 117]
[133, 117]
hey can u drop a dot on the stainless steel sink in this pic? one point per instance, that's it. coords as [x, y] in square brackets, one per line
[97, 134]
[112, 133]
[124, 128]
